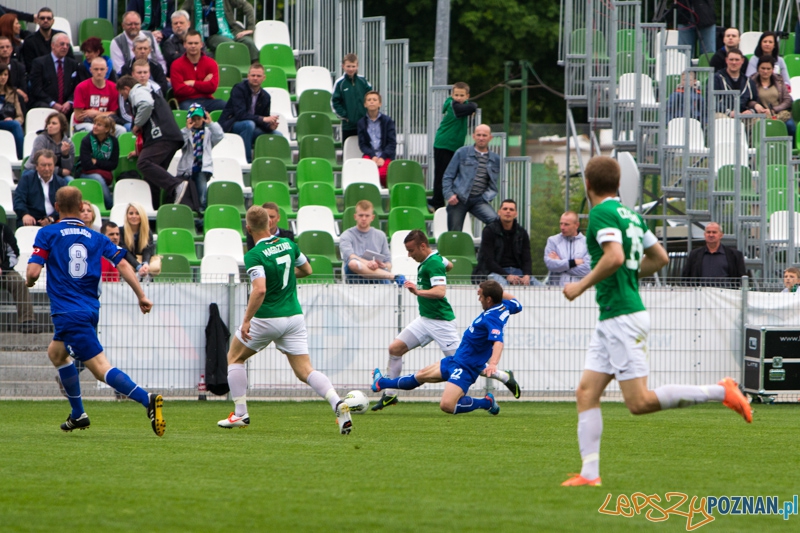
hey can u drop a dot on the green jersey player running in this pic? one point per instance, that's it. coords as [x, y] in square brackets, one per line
[274, 315]
[624, 250]
[436, 321]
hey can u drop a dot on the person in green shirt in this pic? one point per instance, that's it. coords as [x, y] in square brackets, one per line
[623, 250]
[436, 320]
[347, 99]
[274, 315]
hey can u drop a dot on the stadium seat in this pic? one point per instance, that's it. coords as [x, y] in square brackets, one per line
[675, 135]
[177, 241]
[440, 223]
[271, 32]
[279, 55]
[318, 146]
[226, 193]
[726, 179]
[268, 169]
[222, 93]
[309, 78]
[92, 192]
[127, 144]
[360, 171]
[171, 216]
[311, 123]
[409, 195]
[348, 219]
[35, 119]
[76, 139]
[405, 266]
[396, 246]
[705, 59]
[274, 191]
[314, 169]
[356, 192]
[281, 104]
[223, 216]
[316, 218]
[218, 268]
[404, 171]
[6, 172]
[461, 274]
[645, 94]
[229, 75]
[792, 64]
[779, 226]
[401, 218]
[180, 117]
[175, 268]
[776, 177]
[232, 147]
[223, 241]
[776, 201]
[457, 243]
[97, 27]
[318, 243]
[350, 149]
[6, 197]
[215, 115]
[8, 149]
[321, 268]
[236, 54]
[275, 77]
[317, 101]
[315, 193]
[133, 190]
[748, 42]
[273, 146]
[26, 235]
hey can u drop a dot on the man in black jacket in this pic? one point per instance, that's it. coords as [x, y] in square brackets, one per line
[11, 281]
[46, 89]
[274, 218]
[38, 44]
[718, 265]
[729, 41]
[505, 253]
[32, 206]
[732, 78]
[247, 110]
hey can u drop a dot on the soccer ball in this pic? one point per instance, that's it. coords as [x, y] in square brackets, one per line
[357, 401]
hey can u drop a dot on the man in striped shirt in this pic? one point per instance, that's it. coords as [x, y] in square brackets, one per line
[470, 181]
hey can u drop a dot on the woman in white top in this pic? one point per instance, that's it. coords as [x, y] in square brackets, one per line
[768, 44]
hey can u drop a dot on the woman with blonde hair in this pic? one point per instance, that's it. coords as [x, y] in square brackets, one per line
[136, 237]
[100, 155]
[88, 215]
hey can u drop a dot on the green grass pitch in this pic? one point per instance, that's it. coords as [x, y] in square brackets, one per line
[408, 468]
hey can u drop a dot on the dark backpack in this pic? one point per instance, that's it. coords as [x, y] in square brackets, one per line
[217, 335]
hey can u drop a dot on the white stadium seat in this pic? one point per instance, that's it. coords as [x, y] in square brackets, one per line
[222, 241]
[35, 120]
[271, 32]
[361, 171]
[281, 103]
[350, 150]
[313, 78]
[316, 218]
[134, 191]
[232, 147]
[215, 268]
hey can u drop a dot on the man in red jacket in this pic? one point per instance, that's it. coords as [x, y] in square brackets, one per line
[195, 76]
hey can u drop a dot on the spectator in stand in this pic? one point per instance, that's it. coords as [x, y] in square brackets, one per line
[10, 28]
[93, 48]
[195, 76]
[155, 16]
[247, 111]
[274, 217]
[714, 264]
[161, 137]
[11, 109]
[470, 181]
[768, 46]
[53, 77]
[450, 136]
[122, 45]
[359, 246]
[18, 76]
[348, 96]
[566, 255]
[199, 138]
[772, 96]
[39, 44]
[141, 50]
[172, 47]
[141, 73]
[791, 279]
[136, 238]
[377, 136]
[697, 22]
[87, 213]
[11, 281]
[217, 22]
[21, 15]
[108, 271]
[96, 97]
[731, 40]
[697, 102]
[733, 79]
[100, 155]
[505, 252]
[54, 138]
[35, 197]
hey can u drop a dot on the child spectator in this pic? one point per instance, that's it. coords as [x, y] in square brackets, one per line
[348, 96]
[100, 155]
[200, 135]
[450, 136]
[377, 137]
[791, 279]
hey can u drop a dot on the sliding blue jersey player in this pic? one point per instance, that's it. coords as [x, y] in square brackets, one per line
[72, 252]
[479, 351]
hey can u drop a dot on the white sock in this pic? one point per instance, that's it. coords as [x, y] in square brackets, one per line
[672, 396]
[323, 386]
[237, 381]
[395, 367]
[590, 429]
[500, 375]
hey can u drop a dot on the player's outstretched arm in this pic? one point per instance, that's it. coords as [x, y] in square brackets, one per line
[129, 275]
[32, 274]
[655, 258]
[613, 258]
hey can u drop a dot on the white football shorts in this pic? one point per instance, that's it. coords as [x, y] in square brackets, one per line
[288, 333]
[619, 346]
[422, 331]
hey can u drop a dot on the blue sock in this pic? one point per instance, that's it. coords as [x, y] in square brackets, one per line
[403, 382]
[468, 403]
[72, 384]
[123, 384]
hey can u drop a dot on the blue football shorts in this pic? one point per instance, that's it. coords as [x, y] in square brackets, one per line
[78, 332]
[457, 373]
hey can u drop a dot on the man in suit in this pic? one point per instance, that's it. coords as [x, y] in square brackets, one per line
[54, 76]
[32, 205]
[38, 44]
[274, 218]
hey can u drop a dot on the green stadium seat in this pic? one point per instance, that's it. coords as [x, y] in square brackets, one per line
[92, 192]
[318, 146]
[776, 177]
[705, 59]
[321, 270]
[215, 115]
[776, 201]
[222, 216]
[404, 171]
[274, 191]
[275, 77]
[268, 169]
[180, 117]
[457, 243]
[401, 218]
[409, 195]
[356, 192]
[776, 128]
[318, 243]
[310, 123]
[223, 93]
[226, 193]
[171, 216]
[177, 241]
[100, 28]
[236, 54]
[314, 193]
[787, 45]
[792, 64]
[317, 101]
[127, 144]
[274, 146]
[107, 47]
[283, 223]
[175, 268]
[349, 221]
[461, 274]
[77, 137]
[314, 169]
[726, 179]
[229, 75]
[279, 55]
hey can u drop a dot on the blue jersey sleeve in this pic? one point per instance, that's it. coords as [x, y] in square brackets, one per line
[41, 248]
[111, 251]
[513, 306]
[494, 329]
